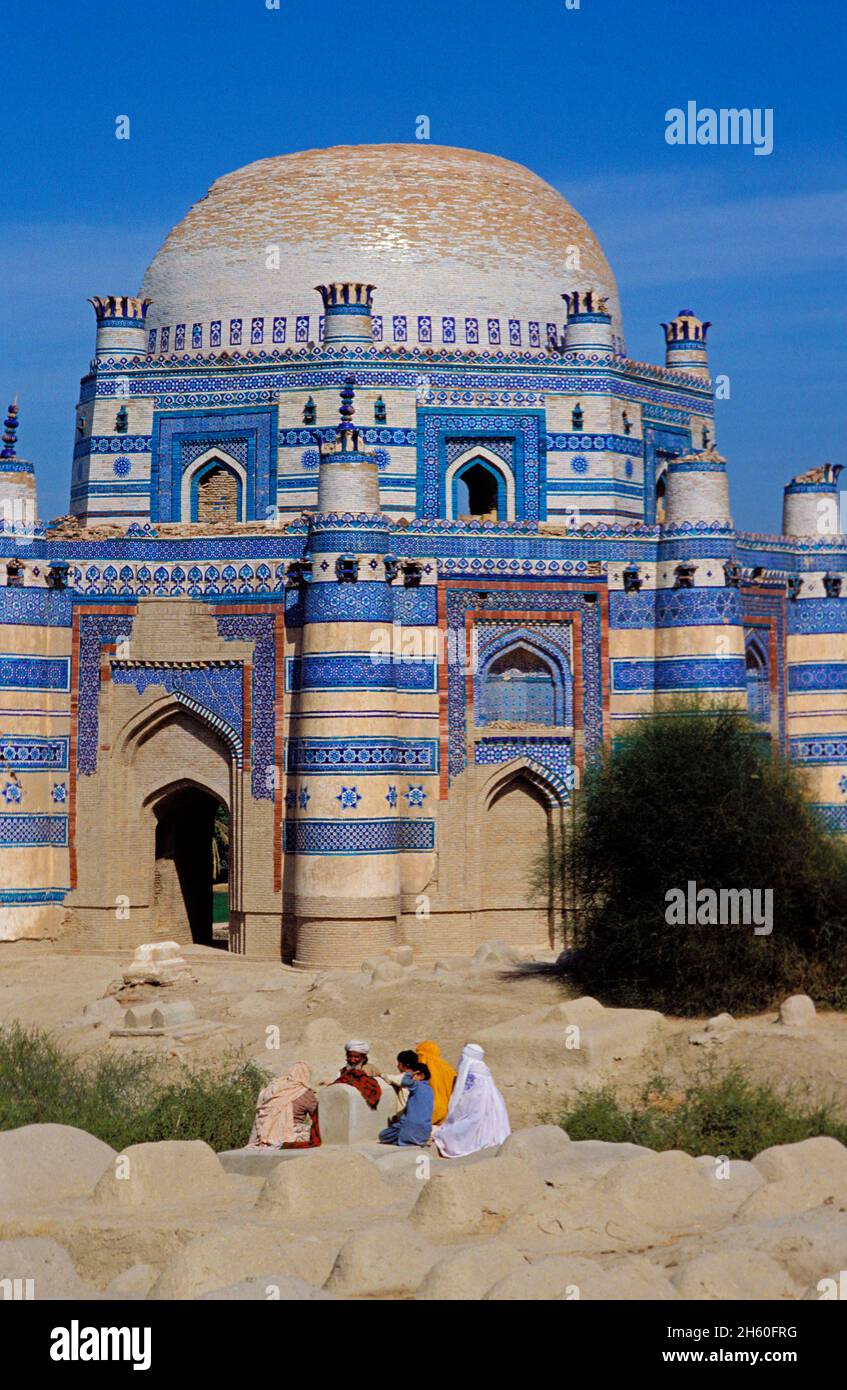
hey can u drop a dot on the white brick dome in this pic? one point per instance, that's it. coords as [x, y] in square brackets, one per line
[465, 249]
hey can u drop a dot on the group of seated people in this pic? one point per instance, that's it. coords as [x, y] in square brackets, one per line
[460, 1112]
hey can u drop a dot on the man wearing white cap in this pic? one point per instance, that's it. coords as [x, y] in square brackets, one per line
[357, 1073]
[477, 1117]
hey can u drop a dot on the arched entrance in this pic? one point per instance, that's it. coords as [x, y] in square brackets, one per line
[519, 686]
[185, 863]
[522, 813]
[178, 822]
[516, 836]
[214, 488]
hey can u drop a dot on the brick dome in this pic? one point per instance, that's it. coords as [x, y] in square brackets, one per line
[443, 234]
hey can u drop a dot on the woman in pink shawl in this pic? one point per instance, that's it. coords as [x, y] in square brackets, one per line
[286, 1113]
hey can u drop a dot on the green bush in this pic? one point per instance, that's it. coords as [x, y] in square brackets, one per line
[124, 1099]
[699, 796]
[725, 1115]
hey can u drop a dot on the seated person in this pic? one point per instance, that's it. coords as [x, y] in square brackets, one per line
[406, 1062]
[414, 1126]
[442, 1078]
[286, 1113]
[477, 1117]
[357, 1073]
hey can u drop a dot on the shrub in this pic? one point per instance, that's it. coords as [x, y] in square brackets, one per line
[698, 796]
[723, 1115]
[124, 1099]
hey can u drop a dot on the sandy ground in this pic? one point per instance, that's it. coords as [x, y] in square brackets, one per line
[257, 1003]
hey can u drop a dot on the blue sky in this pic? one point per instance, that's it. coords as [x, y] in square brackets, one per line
[758, 245]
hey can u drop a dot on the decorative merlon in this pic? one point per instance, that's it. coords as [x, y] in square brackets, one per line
[120, 306]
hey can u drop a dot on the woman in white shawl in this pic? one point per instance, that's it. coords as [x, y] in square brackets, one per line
[477, 1117]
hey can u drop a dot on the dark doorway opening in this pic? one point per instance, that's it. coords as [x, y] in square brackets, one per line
[220, 877]
[660, 500]
[187, 863]
[478, 492]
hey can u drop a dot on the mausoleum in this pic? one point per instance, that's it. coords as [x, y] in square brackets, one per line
[377, 537]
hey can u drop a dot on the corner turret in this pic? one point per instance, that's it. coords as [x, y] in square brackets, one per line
[697, 489]
[18, 500]
[685, 344]
[121, 325]
[589, 322]
[810, 503]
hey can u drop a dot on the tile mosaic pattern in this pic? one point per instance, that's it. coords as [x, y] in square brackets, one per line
[367, 755]
[33, 753]
[21, 831]
[632, 676]
[41, 673]
[260, 629]
[95, 631]
[391, 835]
[359, 671]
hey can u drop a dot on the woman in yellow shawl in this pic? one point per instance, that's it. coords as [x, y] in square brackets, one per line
[442, 1078]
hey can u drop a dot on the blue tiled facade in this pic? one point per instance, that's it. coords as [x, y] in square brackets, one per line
[522, 641]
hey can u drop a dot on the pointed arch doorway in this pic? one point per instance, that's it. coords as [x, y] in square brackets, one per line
[184, 873]
[522, 812]
[184, 766]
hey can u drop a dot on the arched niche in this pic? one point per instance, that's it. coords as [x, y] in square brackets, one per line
[480, 485]
[757, 664]
[523, 683]
[214, 488]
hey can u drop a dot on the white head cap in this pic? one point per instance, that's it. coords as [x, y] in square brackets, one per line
[354, 1046]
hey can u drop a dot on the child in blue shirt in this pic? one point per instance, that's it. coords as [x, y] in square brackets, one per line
[414, 1125]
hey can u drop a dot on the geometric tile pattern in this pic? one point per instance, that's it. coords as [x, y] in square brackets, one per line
[36, 607]
[259, 628]
[674, 607]
[389, 835]
[42, 673]
[817, 615]
[33, 753]
[678, 673]
[833, 817]
[360, 671]
[608, 443]
[811, 676]
[95, 630]
[362, 755]
[821, 749]
[24, 831]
